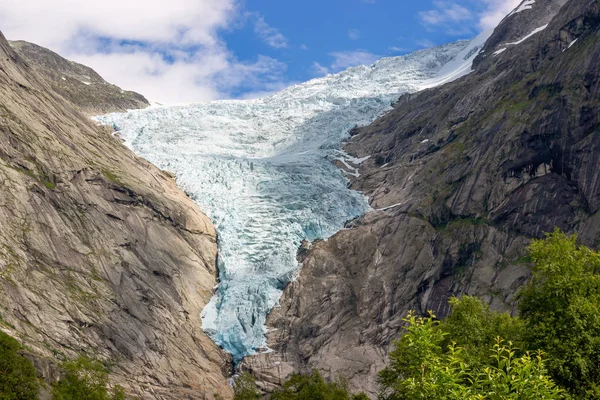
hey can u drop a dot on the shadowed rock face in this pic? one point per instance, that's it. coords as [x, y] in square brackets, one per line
[100, 252]
[78, 84]
[461, 178]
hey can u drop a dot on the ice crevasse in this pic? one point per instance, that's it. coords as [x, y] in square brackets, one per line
[264, 171]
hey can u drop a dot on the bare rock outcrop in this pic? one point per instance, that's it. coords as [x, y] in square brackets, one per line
[100, 252]
[460, 178]
[77, 83]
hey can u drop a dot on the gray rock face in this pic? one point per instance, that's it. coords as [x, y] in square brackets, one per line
[100, 252]
[461, 177]
[80, 85]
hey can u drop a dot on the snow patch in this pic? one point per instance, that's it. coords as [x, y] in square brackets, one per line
[461, 65]
[389, 207]
[526, 5]
[571, 44]
[537, 30]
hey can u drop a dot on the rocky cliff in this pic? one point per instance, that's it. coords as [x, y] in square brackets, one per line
[460, 178]
[78, 84]
[100, 252]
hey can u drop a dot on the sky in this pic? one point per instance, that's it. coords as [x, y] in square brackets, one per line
[178, 51]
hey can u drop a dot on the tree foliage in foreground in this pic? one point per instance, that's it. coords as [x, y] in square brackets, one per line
[553, 348]
[560, 307]
[18, 378]
[424, 367]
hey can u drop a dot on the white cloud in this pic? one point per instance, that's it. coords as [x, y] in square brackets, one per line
[396, 49]
[54, 22]
[168, 50]
[425, 43]
[445, 12]
[457, 17]
[343, 60]
[354, 34]
[270, 35]
[319, 70]
[495, 12]
[347, 59]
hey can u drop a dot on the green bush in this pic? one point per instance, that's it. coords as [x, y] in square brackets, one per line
[422, 368]
[311, 387]
[554, 346]
[85, 379]
[18, 378]
[298, 387]
[560, 307]
[472, 326]
[245, 388]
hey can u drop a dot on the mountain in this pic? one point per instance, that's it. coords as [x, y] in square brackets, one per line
[78, 84]
[454, 159]
[264, 171]
[100, 253]
[460, 178]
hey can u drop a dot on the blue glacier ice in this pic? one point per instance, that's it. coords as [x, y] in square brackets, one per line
[263, 171]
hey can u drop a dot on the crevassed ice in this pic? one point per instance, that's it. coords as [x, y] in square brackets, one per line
[263, 171]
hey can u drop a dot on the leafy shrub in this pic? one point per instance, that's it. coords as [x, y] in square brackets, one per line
[85, 379]
[472, 326]
[422, 367]
[18, 378]
[298, 387]
[560, 307]
[311, 387]
[245, 388]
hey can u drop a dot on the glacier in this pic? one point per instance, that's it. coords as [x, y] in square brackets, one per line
[264, 171]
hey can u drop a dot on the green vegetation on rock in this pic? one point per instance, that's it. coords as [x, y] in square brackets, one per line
[245, 388]
[560, 307]
[299, 387]
[552, 351]
[18, 379]
[424, 366]
[85, 379]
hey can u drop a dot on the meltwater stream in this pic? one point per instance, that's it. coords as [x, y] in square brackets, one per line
[263, 171]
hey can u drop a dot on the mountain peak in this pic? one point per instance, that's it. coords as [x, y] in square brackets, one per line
[77, 83]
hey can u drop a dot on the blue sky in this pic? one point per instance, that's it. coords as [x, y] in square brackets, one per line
[330, 35]
[196, 50]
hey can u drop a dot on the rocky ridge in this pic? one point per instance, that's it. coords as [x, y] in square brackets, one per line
[100, 252]
[77, 83]
[460, 178]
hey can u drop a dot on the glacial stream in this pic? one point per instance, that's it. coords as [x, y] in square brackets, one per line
[264, 171]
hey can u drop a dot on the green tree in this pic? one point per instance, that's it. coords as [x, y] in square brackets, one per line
[85, 379]
[472, 326]
[245, 388]
[18, 378]
[560, 307]
[515, 378]
[422, 367]
[314, 387]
